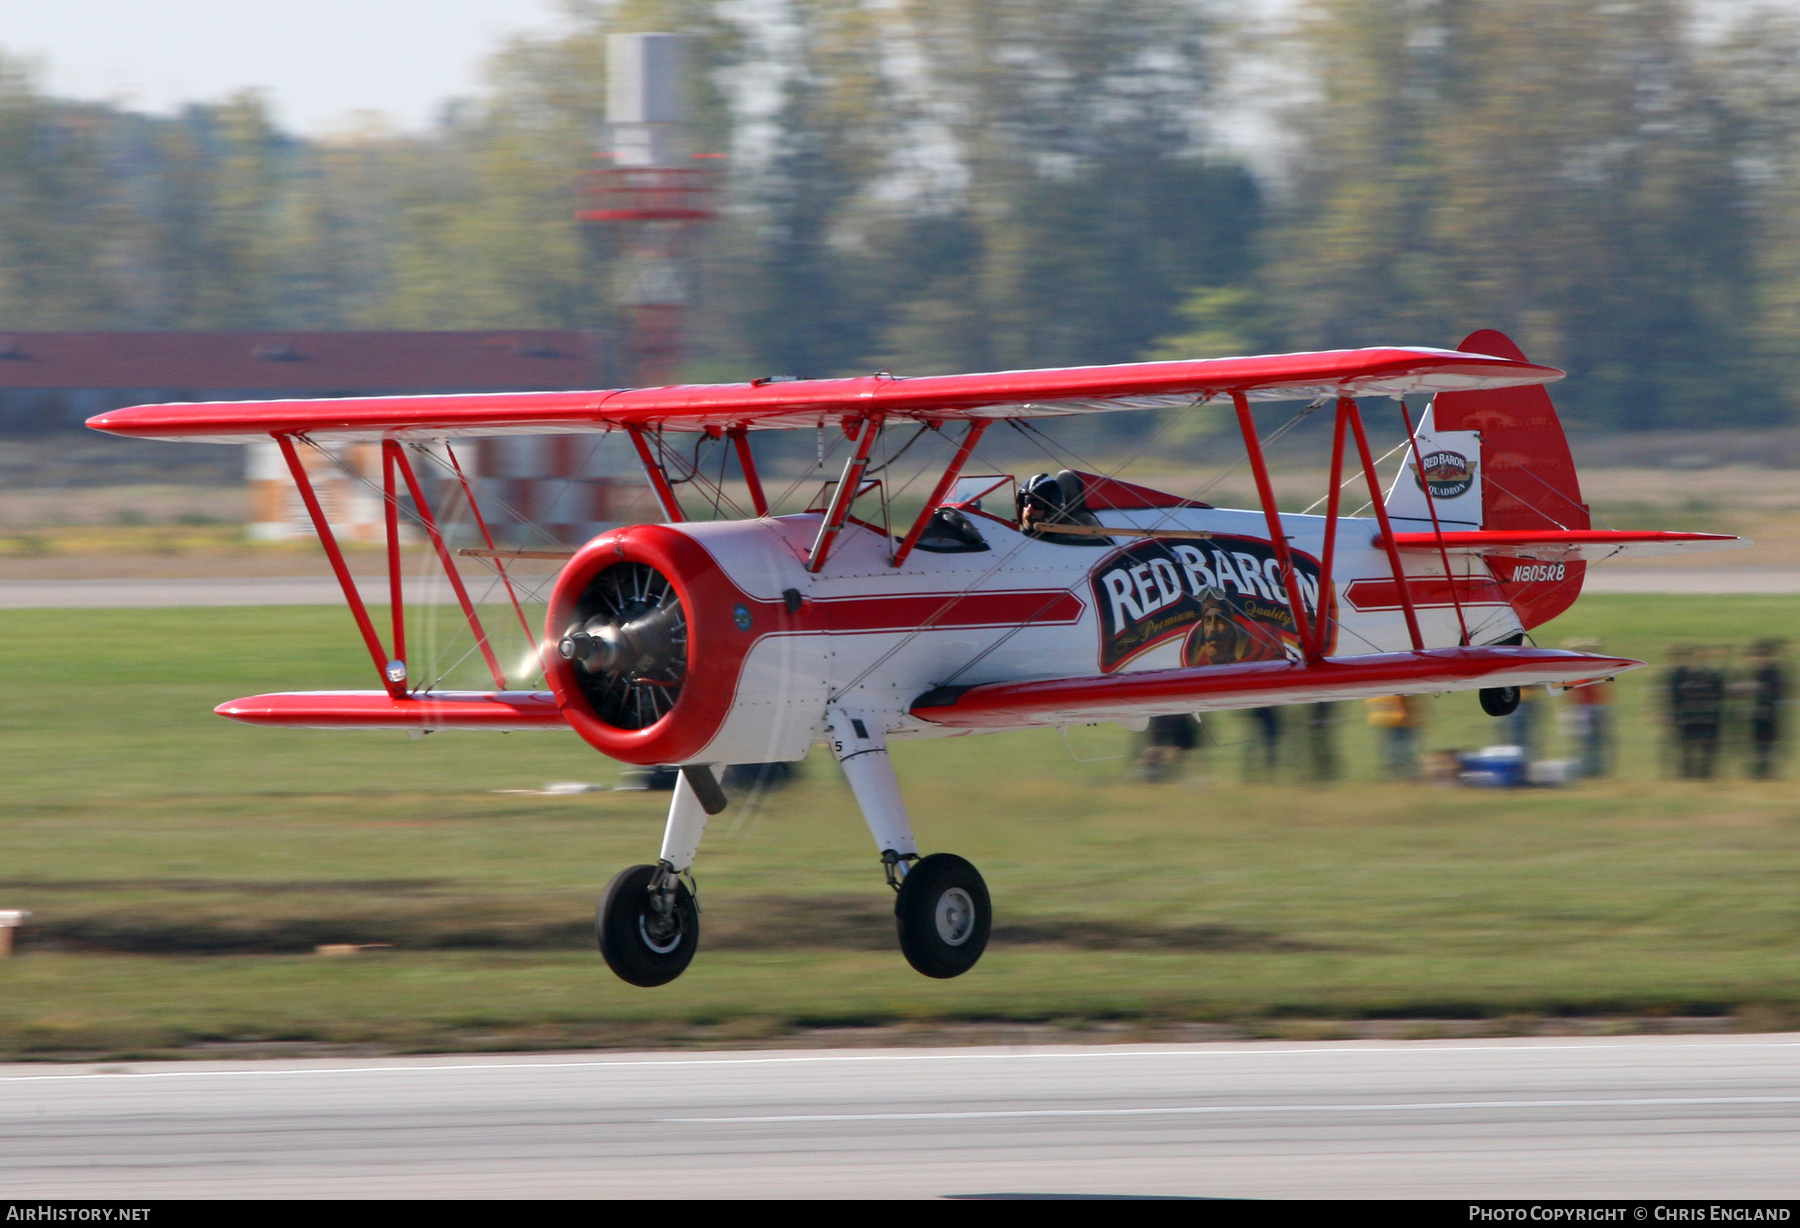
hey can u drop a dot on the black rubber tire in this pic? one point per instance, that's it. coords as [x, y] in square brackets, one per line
[948, 949]
[619, 924]
[1500, 700]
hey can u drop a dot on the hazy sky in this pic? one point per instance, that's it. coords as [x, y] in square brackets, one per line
[316, 60]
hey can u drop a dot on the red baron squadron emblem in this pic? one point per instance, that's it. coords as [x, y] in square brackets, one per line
[1224, 595]
[1447, 474]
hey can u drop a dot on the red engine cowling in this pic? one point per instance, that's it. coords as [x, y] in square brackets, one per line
[645, 639]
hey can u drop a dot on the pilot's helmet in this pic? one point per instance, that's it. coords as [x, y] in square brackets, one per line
[1046, 496]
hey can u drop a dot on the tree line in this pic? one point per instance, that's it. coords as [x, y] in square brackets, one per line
[940, 185]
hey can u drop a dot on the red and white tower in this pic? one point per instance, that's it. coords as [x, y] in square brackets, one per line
[653, 197]
[651, 200]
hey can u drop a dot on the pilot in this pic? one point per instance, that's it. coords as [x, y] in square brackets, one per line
[1047, 500]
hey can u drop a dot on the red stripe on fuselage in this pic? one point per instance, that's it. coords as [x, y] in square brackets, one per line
[930, 611]
[1425, 591]
[725, 623]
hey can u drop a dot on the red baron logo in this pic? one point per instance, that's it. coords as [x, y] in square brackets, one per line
[1224, 595]
[1532, 573]
[1447, 474]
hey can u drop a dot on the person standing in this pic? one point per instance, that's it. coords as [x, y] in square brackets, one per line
[1262, 754]
[1768, 696]
[1398, 717]
[1696, 697]
[1166, 740]
[1679, 655]
[1523, 723]
[1321, 729]
[1590, 714]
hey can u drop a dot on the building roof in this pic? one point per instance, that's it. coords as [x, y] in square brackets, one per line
[323, 362]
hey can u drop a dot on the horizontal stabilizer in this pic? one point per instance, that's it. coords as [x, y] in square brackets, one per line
[1112, 697]
[497, 711]
[1559, 545]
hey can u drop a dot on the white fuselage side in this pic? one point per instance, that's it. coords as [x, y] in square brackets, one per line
[1048, 610]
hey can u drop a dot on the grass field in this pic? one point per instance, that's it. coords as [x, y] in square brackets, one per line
[180, 871]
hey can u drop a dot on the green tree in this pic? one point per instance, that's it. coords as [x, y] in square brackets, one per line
[57, 216]
[1757, 68]
[963, 184]
[1570, 173]
[209, 224]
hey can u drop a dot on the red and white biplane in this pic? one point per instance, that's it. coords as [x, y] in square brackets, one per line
[1072, 598]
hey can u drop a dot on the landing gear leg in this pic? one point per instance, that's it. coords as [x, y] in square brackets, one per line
[648, 923]
[941, 905]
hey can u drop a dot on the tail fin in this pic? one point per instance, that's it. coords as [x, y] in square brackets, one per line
[1527, 479]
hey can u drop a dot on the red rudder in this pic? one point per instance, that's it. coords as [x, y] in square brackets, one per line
[1527, 479]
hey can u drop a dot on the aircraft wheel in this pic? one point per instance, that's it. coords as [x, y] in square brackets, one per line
[1500, 700]
[643, 946]
[943, 914]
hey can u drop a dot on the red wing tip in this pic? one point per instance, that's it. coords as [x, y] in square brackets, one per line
[377, 710]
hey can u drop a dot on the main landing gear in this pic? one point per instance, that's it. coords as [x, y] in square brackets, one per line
[943, 915]
[941, 905]
[1499, 700]
[1502, 700]
[648, 923]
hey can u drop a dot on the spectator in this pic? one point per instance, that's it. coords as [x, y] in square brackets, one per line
[1522, 725]
[1678, 656]
[1399, 718]
[1167, 740]
[1589, 709]
[1321, 741]
[1768, 688]
[1262, 754]
[1696, 706]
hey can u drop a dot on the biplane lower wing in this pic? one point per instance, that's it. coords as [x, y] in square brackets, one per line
[1111, 697]
[1558, 545]
[494, 711]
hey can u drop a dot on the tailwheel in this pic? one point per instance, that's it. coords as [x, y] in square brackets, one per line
[943, 915]
[1499, 700]
[648, 925]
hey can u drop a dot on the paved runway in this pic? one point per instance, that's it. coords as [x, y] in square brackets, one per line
[1695, 580]
[1637, 1117]
[310, 590]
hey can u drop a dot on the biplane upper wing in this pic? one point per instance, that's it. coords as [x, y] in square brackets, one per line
[1112, 697]
[776, 404]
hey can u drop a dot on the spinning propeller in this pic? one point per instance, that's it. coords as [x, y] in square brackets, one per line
[629, 645]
